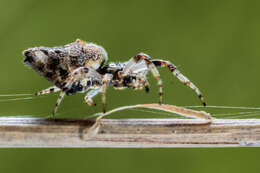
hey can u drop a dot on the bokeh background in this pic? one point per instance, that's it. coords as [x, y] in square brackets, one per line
[215, 43]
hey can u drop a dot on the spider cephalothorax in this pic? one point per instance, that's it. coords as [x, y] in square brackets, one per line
[79, 67]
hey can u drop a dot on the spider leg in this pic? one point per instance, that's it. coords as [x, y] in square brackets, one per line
[60, 98]
[180, 76]
[49, 90]
[146, 86]
[144, 83]
[151, 67]
[106, 79]
[80, 80]
[140, 84]
[90, 95]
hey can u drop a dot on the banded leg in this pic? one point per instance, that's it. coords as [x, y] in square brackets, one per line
[105, 82]
[61, 96]
[180, 76]
[90, 95]
[151, 67]
[49, 90]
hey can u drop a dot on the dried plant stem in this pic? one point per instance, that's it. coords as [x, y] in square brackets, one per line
[138, 133]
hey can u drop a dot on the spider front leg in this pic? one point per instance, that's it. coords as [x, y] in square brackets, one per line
[137, 59]
[49, 90]
[180, 76]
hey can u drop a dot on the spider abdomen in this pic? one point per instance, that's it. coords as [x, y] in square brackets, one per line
[55, 64]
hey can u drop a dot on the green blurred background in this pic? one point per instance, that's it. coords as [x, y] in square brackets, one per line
[214, 43]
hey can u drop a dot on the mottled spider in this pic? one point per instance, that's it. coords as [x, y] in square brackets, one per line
[80, 67]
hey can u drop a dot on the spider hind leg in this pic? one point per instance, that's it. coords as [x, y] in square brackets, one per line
[60, 98]
[49, 90]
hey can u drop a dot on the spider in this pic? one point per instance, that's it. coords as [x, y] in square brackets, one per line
[80, 67]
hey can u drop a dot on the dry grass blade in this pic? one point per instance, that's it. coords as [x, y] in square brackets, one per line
[179, 110]
[167, 108]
